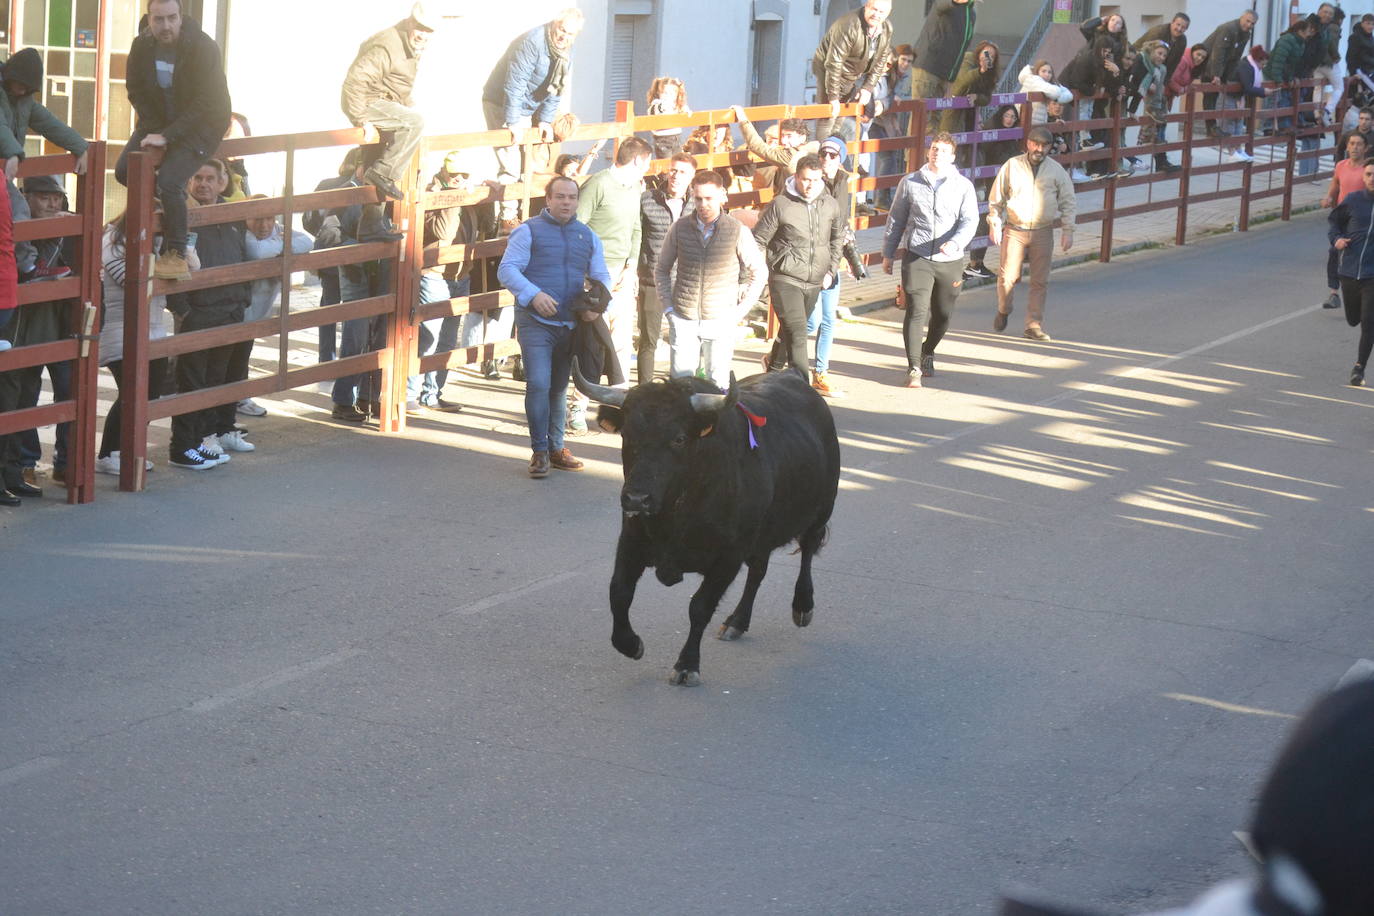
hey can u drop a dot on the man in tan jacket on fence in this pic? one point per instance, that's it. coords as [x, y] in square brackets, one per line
[1029, 193]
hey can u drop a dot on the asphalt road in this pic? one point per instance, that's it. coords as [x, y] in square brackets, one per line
[352, 673]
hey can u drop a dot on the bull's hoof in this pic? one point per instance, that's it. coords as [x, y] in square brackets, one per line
[685, 678]
[630, 648]
[729, 633]
[801, 618]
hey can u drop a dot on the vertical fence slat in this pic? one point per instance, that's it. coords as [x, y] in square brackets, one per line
[138, 253]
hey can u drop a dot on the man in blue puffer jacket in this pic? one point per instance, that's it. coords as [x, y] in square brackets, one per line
[548, 261]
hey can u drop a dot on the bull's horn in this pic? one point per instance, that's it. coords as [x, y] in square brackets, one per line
[602, 394]
[714, 403]
[708, 403]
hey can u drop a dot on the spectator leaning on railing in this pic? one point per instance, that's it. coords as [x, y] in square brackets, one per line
[1225, 50]
[1174, 34]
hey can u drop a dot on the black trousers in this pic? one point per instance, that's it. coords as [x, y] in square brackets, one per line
[203, 369]
[157, 381]
[650, 330]
[178, 165]
[793, 303]
[16, 386]
[1358, 297]
[932, 289]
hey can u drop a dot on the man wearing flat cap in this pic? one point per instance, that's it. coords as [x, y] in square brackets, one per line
[377, 94]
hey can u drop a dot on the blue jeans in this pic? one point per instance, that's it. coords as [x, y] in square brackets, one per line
[329, 295]
[425, 387]
[547, 352]
[825, 309]
[360, 335]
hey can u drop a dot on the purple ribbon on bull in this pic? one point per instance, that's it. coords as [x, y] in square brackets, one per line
[754, 420]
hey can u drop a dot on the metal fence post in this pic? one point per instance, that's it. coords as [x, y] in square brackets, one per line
[1186, 160]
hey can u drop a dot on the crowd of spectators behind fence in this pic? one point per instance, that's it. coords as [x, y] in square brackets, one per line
[611, 254]
[701, 293]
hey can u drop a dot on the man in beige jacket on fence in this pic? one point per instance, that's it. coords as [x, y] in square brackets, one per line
[1029, 193]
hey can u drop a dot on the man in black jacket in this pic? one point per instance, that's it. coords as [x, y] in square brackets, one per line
[176, 86]
[200, 437]
[945, 37]
[802, 235]
[660, 206]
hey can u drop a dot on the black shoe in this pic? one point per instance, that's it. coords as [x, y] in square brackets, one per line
[978, 272]
[517, 369]
[447, 406]
[24, 488]
[348, 413]
[999, 322]
[384, 184]
[8, 499]
[1357, 376]
[1168, 167]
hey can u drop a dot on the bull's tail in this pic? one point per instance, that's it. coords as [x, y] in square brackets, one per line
[813, 539]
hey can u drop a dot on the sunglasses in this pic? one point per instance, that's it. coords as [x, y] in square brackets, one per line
[830, 154]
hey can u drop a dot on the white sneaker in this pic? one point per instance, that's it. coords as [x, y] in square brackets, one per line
[211, 449]
[110, 464]
[1078, 176]
[251, 408]
[5, 345]
[235, 441]
[1242, 156]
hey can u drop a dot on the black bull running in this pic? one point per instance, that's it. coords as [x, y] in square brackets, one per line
[714, 482]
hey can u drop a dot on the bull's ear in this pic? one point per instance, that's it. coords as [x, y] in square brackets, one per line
[610, 419]
[732, 393]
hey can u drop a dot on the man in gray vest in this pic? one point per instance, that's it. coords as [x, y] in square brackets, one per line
[719, 275]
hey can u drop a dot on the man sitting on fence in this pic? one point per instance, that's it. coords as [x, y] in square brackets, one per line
[176, 87]
[792, 144]
[377, 94]
[200, 437]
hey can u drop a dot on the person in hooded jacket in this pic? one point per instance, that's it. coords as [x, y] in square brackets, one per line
[977, 81]
[175, 80]
[1348, 230]
[802, 233]
[21, 110]
[1359, 50]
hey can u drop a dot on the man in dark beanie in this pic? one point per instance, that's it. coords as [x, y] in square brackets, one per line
[21, 110]
[176, 86]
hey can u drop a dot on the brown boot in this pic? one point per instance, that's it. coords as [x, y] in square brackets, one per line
[564, 460]
[171, 265]
[539, 464]
[821, 382]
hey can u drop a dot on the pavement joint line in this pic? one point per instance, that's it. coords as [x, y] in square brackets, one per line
[499, 598]
[1134, 371]
[28, 768]
[286, 675]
